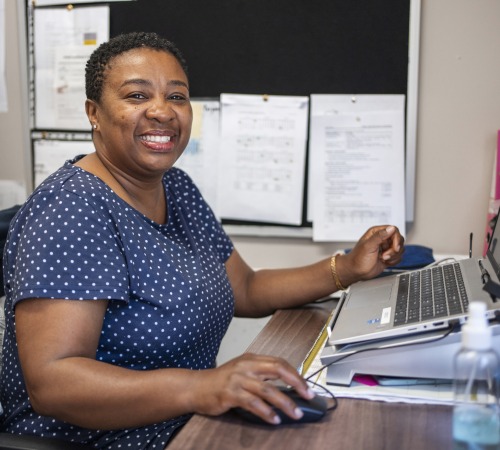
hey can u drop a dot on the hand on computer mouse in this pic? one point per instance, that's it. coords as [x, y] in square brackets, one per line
[310, 410]
[245, 382]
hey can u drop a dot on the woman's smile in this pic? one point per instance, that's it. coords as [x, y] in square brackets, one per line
[159, 142]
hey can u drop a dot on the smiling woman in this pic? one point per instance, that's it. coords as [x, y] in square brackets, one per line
[142, 123]
[120, 282]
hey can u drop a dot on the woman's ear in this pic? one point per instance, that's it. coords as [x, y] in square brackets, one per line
[91, 110]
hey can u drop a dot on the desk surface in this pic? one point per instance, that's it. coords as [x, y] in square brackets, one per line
[355, 424]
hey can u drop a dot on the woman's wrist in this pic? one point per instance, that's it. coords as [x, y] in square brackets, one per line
[335, 274]
[342, 276]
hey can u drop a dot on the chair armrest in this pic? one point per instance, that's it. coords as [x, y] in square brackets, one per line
[10, 441]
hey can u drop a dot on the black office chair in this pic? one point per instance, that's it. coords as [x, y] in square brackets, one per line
[16, 442]
[10, 441]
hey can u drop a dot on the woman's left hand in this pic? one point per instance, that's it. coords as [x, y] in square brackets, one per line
[380, 247]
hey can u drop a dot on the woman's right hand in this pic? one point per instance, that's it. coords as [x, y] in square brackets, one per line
[244, 382]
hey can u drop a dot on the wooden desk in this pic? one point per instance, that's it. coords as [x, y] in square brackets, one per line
[355, 424]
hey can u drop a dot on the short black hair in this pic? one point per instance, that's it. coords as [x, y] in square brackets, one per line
[99, 60]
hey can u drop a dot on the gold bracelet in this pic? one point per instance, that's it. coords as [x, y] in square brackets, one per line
[333, 267]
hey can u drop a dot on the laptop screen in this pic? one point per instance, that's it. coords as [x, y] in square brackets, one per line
[493, 252]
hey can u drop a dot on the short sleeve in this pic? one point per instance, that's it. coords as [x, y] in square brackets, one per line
[67, 249]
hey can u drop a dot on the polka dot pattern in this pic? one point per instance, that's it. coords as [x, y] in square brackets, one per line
[170, 301]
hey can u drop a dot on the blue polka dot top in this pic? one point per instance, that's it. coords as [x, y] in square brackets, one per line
[170, 301]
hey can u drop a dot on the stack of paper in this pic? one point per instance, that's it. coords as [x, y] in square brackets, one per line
[409, 391]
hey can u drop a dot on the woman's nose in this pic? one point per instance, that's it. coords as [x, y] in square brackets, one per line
[160, 110]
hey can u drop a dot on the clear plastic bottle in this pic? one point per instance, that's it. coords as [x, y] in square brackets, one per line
[476, 420]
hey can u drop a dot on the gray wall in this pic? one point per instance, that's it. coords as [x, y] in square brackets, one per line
[459, 115]
[13, 124]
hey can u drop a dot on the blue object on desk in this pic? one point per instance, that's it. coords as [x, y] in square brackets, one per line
[414, 257]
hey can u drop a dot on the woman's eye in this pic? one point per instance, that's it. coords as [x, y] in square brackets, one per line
[137, 95]
[177, 97]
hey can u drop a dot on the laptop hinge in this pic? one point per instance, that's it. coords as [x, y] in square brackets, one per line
[336, 312]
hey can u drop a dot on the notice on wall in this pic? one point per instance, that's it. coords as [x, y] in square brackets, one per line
[262, 158]
[356, 157]
[50, 155]
[64, 40]
[199, 159]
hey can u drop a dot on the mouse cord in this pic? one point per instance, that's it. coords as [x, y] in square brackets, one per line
[330, 394]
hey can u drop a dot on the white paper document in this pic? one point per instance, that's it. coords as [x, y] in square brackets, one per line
[199, 159]
[50, 155]
[64, 40]
[262, 158]
[356, 165]
[437, 392]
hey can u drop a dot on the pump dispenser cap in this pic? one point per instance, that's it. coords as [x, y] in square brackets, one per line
[476, 335]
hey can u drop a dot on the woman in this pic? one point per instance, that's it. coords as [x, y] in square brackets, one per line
[123, 283]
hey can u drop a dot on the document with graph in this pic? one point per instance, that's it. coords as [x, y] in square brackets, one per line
[262, 158]
[356, 165]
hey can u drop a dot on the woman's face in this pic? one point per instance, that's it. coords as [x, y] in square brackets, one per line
[144, 116]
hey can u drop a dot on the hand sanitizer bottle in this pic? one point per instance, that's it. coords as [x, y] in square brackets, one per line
[476, 421]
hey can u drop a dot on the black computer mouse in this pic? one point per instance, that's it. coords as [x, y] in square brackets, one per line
[313, 409]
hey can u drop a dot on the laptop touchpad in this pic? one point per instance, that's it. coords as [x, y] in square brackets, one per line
[370, 294]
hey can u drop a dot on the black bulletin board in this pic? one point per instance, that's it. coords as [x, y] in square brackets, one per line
[281, 47]
[287, 47]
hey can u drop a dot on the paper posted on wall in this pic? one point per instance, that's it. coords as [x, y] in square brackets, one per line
[356, 164]
[262, 157]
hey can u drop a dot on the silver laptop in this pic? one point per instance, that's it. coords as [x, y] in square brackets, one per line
[417, 301]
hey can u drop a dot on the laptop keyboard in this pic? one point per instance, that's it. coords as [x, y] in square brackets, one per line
[434, 292]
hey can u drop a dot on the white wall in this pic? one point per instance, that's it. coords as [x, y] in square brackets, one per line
[459, 115]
